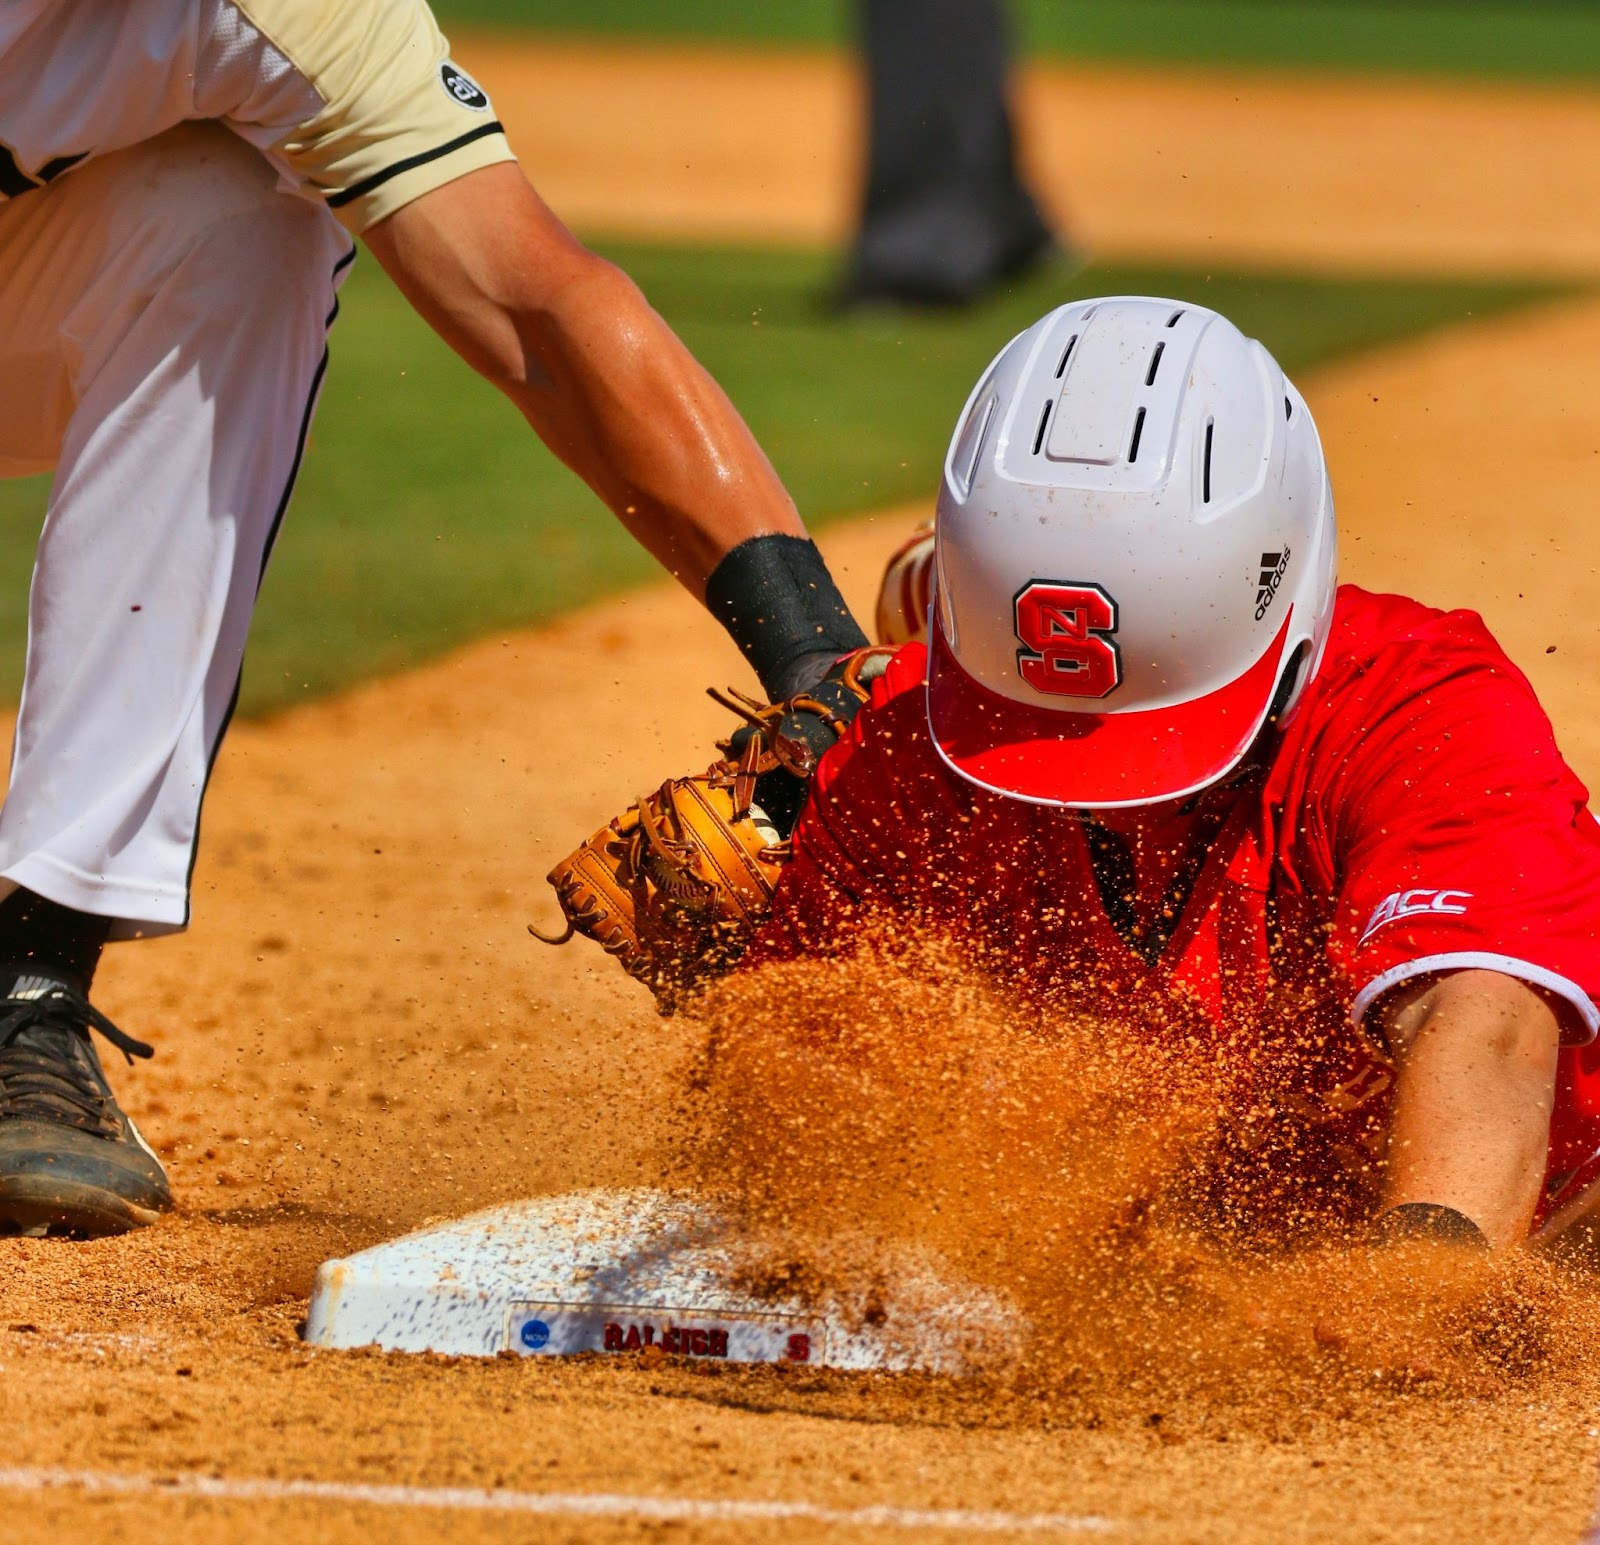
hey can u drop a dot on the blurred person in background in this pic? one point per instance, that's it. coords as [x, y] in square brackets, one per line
[945, 216]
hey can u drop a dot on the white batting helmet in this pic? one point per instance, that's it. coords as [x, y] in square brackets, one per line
[1134, 554]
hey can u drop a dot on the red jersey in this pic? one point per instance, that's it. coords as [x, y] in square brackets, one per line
[1414, 816]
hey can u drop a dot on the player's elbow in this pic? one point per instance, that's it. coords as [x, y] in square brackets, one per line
[1487, 1014]
[590, 327]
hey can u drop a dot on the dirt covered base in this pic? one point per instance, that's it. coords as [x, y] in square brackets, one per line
[358, 1035]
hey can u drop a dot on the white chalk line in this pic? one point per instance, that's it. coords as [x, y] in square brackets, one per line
[472, 1499]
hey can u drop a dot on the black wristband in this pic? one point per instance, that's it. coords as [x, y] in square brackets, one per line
[1428, 1220]
[779, 603]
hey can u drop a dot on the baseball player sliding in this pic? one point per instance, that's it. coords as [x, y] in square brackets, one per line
[180, 185]
[1153, 764]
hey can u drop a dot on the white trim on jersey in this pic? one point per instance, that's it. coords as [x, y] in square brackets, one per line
[1479, 960]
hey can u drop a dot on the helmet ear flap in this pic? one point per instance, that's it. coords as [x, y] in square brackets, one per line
[1289, 683]
[1259, 754]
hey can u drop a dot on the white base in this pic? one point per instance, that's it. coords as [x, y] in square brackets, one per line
[616, 1271]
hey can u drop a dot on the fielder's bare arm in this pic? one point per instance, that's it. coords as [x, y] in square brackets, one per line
[182, 183]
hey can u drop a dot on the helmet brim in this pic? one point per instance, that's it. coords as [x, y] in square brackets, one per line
[1049, 756]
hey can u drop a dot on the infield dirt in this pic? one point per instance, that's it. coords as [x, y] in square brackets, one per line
[358, 1035]
[1321, 172]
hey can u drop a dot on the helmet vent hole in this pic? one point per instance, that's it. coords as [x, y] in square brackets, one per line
[1172, 321]
[1138, 429]
[1288, 409]
[969, 449]
[1066, 354]
[1044, 424]
[1205, 470]
[1155, 364]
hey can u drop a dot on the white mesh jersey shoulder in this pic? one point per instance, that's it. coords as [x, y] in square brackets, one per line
[357, 105]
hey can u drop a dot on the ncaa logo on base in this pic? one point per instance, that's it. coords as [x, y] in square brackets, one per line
[1413, 903]
[535, 1334]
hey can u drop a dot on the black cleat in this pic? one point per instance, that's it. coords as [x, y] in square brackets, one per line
[70, 1161]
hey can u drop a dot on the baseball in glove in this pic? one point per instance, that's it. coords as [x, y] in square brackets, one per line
[675, 887]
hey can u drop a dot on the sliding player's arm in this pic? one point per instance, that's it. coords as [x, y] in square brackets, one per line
[1475, 1071]
[1469, 885]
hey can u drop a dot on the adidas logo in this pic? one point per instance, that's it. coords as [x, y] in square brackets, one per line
[1273, 567]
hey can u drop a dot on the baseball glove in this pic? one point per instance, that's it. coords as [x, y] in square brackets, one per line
[675, 887]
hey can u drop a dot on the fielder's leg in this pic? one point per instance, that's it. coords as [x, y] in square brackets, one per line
[163, 321]
[945, 214]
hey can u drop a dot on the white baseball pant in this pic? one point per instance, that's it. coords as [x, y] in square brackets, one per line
[163, 336]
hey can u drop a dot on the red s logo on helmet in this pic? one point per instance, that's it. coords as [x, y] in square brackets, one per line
[1065, 631]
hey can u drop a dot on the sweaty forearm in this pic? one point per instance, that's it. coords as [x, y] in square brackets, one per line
[1475, 1083]
[612, 391]
[618, 397]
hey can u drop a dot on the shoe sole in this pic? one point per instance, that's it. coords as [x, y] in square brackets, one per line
[53, 1205]
[57, 1180]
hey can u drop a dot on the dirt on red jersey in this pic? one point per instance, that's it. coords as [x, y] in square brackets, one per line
[1415, 816]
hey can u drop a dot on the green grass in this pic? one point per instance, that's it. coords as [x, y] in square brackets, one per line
[1537, 38]
[427, 513]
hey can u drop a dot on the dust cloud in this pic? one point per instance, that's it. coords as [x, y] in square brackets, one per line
[899, 1102]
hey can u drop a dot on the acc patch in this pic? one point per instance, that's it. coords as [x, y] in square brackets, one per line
[1413, 903]
[466, 91]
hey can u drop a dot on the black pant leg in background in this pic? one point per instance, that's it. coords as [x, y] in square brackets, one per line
[944, 214]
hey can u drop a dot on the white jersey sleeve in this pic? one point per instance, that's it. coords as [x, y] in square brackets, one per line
[394, 116]
[356, 102]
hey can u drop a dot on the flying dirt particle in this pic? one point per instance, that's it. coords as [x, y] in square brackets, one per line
[1326, 1334]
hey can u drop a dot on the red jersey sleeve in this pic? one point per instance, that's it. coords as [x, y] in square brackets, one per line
[1426, 784]
[864, 825]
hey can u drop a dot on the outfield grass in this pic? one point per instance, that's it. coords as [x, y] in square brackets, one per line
[427, 514]
[1552, 38]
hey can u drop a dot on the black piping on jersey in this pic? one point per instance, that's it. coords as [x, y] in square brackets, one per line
[266, 554]
[377, 179]
[1114, 874]
[327, 325]
[53, 169]
[14, 182]
[1118, 883]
